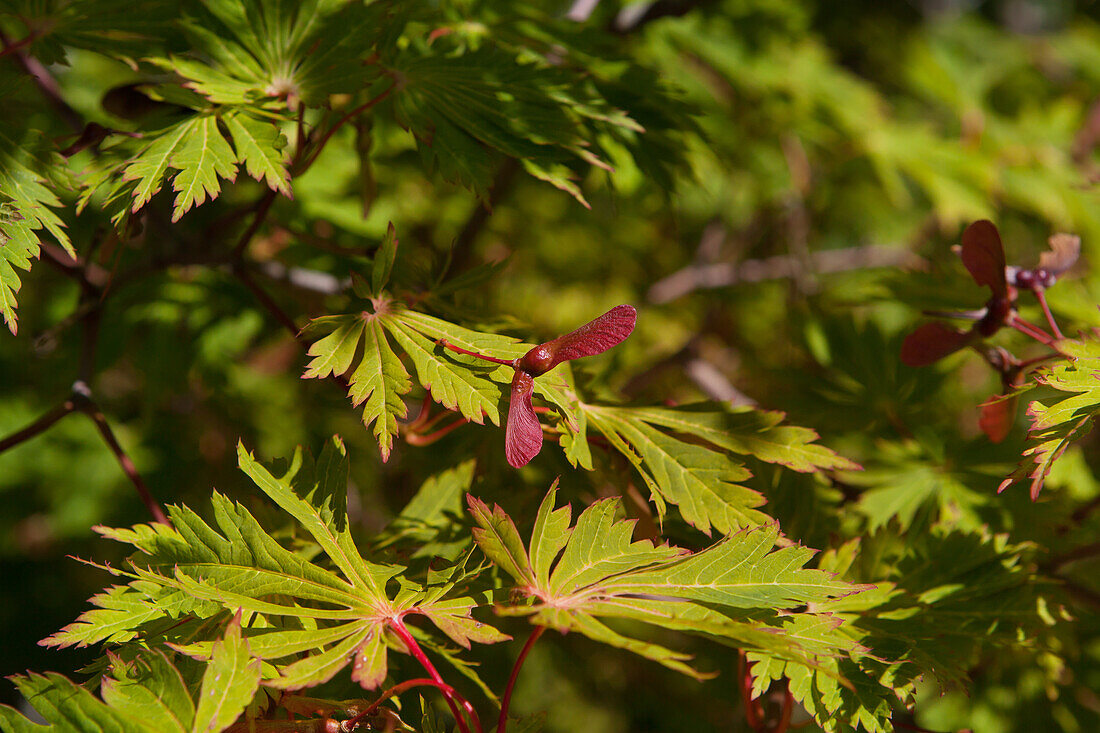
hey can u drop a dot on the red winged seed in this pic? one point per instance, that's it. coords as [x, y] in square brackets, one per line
[522, 434]
[931, 342]
[594, 337]
[984, 256]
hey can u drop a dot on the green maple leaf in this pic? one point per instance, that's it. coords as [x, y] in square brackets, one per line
[309, 620]
[195, 155]
[146, 693]
[1067, 418]
[577, 577]
[124, 29]
[260, 148]
[358, 345]
[701, 477]
[949, 596]
[26, 203]
[458, 105]
[201, 158]
[248, 52]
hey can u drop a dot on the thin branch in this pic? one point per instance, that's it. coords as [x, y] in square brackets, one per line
[1042, 298]
[634, 16]
[262, 207]
[353, 723]
[85, 403]
[461, 251]
[1086, 595]
[14, 46]
[722, 275]
[1081, 513]
[40, 425]
[302, 167]
[502, 721]
[241, 273]
[1058, 562]
[46, 84]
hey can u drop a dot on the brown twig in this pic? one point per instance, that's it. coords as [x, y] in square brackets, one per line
[240, 271]
[39, 426]
[88, 406]
[1057, 562]
[261, 207]
[353, 723]
[45, 82]
[303, 164]
[501, 185]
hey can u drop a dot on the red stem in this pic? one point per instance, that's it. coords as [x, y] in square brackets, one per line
[502, 721]
[450, 695]
[1042, 298]
[1030, 329]
[13, 46]
[418, 439]
[352, 723]
[422, 417]
[446, 344]
[340, 123]
[752, 715]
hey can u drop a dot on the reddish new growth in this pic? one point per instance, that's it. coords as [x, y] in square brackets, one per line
[523, 433]
[984, 257]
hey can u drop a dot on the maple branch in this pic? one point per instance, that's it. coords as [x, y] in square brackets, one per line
[301, 167]
[40, 425]
[724, 274]
[449, 694]
[1058, 562]
[502, 721]
[261, 207]
[82, 399]
[479, 217]
[45, 82]
[241, 273]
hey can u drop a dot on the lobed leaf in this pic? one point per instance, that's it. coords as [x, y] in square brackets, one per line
[259, 147]
[229, 681]
[306, 619]
[1067, 417]
[727, 590]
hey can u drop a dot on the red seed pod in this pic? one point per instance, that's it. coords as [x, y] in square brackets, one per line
[522, 432]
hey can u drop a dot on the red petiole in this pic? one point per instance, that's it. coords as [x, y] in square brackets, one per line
[460, 350]
[1042, 298]
[353, 723]
[502, 721]
[454, 700]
